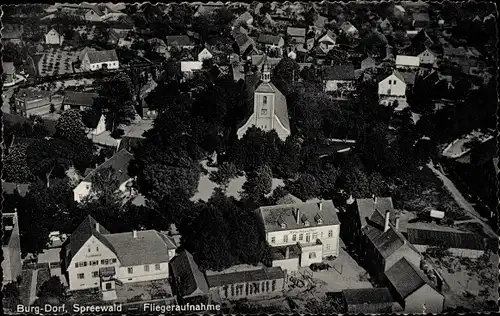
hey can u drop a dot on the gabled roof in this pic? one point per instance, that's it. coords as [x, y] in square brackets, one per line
[338, 72]
[347, 26]
[367, 207]
[289, 199]
[411, 61]
[287, 214]
[449, 239]
[91, 118]
[406, 278]
[157, 42]
[329, 36]
[409, 77]
[367, 296]
[387, 242]
[269, 39]
[79, 98]
[280, 106]
[296, 31]
[53, 29]
[189, 279]
[102, 56]
[179, 40]
[246, 16]
[398, 75]
[119, 162]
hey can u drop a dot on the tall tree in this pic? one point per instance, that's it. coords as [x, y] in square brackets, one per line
[285, 74]
[259, 183]
[305, 187]
[16, 168]
[224, 174]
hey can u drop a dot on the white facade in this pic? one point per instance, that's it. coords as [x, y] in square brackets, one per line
[92, 16]
[407, 62]
[53, 38]
[327, 43]
[335, 85]
[204, 55]
[89, 66]
[81, 191]
[392, 89]
[83, 270]
[427, 57]
[142, 273]
[100, 128]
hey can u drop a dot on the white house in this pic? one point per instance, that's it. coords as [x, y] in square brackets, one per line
[95, 60]
[393, 88]
[270, 109]
[407, 62]
[427, 57]
[310, 230]
[338, 78]
[327, 41]
[118, 164]
[205, 54]
[53, 37]
[349, 29]
[95, 258]
[95, 122]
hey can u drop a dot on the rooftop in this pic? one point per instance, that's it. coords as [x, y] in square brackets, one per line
[179, 40]
[450, 239]
[118, 162]
[405, 278]
[263, 274]
[79, 98]
[191, 279]
[367, 296]
[403, 60]
[102, 56]
[367, 207]
[296, 31]
[269, 39]
[308, 213]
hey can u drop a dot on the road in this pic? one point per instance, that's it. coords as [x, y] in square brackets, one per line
[462, 201]
[6, 94]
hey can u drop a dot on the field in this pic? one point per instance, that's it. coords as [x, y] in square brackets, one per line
[56, 62]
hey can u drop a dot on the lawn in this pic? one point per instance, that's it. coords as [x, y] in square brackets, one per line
[56, 61]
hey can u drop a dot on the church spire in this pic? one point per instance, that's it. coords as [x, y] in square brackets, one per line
[266, 73]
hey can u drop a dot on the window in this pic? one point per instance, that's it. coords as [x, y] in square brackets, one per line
[76, 265]
[312, 255]
[273, 240]
[94, 262]
[389, 91]
[157, 266]
[308, 237]
[315, 236]
[330, 233]
[264, 100]
[146, 268]
[89, 250]
[130, 270]
[294, 237]
[113, 260]
[96, 248]
[321, 234]
[80, 276]
[301, 237]
[105, 261]
[285, 238]
[263, 111]
[95, 274]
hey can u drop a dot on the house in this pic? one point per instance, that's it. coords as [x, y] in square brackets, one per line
[349, 29]
[189, 67]
[458, 243]
[260, 60]
[368, 63]
[319, 24]
[188, 282]
[338, 78]
[78, 100]
[420, 20]
[158, 46]
[53, 37]
[392, 90]
[412, 290]
[368, 301]
[270, 110]
[310, 42]
[205, 54]
[386, 27]
[297, 35]
[118, 164]
[312, 227]
[94, 122]
[427, 57]
[31, 101]
[327, 41]
[407, 62]
[96, 60]
[12, 33]
[244, 43]
[117, 37]
[246, 282]
[272, 42]
[9, 72]
[399, 11]
[92, 257]
[245, 18]
[179, 42]
[147, 112]
[85, 11]
[11, 248]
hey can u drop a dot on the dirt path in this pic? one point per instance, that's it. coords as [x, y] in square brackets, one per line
[460, 199]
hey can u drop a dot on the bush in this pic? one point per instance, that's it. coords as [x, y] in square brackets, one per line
[52, 288]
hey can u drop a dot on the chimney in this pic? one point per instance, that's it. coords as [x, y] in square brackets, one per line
[320, 205]
[397, 223]
[350, 200]
[97, 227]
[297, 212]
[374, 199]
[134, 233]
[287, 253]
[387, 217]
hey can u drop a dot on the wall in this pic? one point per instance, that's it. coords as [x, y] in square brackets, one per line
[330, 245]
[98, 251]
[305, 260]
[52, 38]
[139, 274]
[248, 290]
[11, 264]
[397, 89]
[433, 301]
[287, 265]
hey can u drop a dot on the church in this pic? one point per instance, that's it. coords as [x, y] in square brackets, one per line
[270, 110]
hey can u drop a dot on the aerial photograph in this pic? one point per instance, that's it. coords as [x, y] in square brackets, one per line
[249, 158]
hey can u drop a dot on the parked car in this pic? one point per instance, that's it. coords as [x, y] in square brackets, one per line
[319, 266]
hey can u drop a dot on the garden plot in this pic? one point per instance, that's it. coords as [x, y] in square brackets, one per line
[56, 62]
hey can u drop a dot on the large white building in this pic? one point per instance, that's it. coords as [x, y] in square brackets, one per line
[95, 258]
[270, 110]
[95, 60]
[391, 89]
[53, 37]
[301, 233]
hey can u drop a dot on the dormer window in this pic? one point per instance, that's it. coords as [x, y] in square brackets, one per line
[283, 225]
[306, 223]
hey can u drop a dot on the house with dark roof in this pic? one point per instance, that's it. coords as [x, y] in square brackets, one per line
[96, 60]
[270, 109]
[338, 78]
[244, 44]
[30, 101]
[92, 257]
[187, 280]
[11, 248]
[420, 20]
[179, 42]
[246, 282]
[460, 244]
[12, 33]
[369, 301]
[312, 227]
[296, 34]
[117, 164]
[78, 100]
[411, 288]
